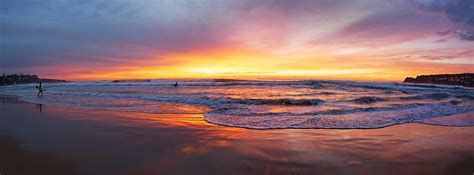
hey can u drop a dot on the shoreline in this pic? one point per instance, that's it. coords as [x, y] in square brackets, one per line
[110, 142]
[17, 98]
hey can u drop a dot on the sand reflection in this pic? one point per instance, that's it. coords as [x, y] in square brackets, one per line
[103, 142]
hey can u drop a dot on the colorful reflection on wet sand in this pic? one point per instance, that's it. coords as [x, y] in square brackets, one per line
[102, 142]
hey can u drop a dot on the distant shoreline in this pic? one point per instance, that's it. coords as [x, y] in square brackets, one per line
[14, 79]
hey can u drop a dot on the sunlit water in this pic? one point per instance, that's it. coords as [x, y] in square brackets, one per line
[270, 104]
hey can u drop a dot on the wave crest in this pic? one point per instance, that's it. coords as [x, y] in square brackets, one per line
[368, 100]
[286, 102]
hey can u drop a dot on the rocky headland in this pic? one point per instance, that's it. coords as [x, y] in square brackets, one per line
[465, 79]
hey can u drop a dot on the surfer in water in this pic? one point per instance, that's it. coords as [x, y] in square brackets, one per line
[176, 84]
[40, 89]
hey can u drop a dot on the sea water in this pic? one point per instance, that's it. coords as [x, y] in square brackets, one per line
[269, 104]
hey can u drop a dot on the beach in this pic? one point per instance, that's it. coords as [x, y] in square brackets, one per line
[50, 139]
[236, 87]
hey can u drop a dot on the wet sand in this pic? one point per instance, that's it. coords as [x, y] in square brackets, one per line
[16, 160]
[60, 140]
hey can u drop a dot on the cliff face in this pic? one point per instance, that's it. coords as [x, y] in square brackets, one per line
[466, 79]
[24, 79]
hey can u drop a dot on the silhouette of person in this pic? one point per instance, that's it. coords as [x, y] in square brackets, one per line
[40, 89]
[176, 84]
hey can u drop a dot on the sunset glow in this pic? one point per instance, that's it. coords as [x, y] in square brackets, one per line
[349, 40]
[236, 87]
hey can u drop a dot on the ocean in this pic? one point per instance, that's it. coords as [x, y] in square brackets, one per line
[269, 104]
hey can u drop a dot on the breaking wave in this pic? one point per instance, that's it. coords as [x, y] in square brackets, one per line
[269, 104]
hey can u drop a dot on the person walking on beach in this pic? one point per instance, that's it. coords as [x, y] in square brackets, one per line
[40, 89]
[176, 84]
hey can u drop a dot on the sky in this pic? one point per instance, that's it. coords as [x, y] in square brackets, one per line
[376, 40]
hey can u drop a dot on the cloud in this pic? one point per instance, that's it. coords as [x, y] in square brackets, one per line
[459, 12]
[85, 35]
[104, 32]
[100, 32]
[391, 23]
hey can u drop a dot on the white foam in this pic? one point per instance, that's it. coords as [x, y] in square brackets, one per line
[267, 104]
[360, 120]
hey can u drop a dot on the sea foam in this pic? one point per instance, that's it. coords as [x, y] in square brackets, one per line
[268, 104]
